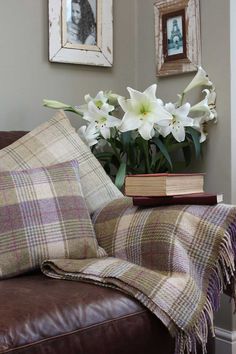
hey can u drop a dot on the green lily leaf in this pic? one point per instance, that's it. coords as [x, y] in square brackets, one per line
[163, 150]
[103, 156]
[195, 138]
[115, 143]
[128, 147]
[120, 176]
[125, 138]
[177, 146]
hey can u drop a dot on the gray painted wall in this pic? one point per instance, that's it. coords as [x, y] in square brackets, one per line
[26, 76]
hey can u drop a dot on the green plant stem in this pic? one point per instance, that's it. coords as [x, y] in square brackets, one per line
[182, 99]
[145, 150]
[115, 150]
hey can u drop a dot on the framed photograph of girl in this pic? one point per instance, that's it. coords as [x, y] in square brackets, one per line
[177, 36]
[81, 32]
[81, 23]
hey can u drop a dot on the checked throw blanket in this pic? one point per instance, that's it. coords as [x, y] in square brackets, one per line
[175, 260]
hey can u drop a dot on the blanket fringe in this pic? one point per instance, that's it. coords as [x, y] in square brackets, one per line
[223, 275]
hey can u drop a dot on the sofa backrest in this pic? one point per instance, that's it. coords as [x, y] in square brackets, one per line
[8, 137]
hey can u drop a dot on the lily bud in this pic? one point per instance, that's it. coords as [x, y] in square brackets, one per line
[55, 104]
[200, 79]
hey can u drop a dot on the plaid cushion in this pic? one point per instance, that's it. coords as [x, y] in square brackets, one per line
[43, 215]
[54, 142]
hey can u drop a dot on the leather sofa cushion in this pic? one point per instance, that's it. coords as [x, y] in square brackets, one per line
[7, 138]
[41, 315]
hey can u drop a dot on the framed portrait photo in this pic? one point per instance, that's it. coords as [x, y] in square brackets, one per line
[81, 32]
[177, 36]
[80, 21]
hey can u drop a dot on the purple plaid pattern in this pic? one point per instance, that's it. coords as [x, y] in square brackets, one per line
[43, 215]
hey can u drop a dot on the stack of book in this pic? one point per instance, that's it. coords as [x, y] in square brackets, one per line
[169, 188]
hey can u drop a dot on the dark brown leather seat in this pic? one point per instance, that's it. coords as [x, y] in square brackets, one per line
[39, 315]
[42, 315]
[7, 138]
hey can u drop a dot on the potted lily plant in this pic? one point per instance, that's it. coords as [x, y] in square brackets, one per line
[142, 134]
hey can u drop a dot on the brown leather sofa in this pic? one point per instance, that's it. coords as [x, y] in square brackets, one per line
[39, 315]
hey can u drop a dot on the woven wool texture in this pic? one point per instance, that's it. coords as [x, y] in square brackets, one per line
[54, 142]
[175, 260]
[43, 215]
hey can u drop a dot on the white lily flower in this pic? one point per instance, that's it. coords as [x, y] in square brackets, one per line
[202, 106]
[112, 98]
[200, 123]
[100, 119]
[99, 100]
[142, 111]
[161, 103]
[207, 105]
[200, 79]
[88, 134]
[212, 103]
[179, 120]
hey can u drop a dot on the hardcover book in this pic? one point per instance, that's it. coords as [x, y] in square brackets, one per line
[163, 184]
[196, 198]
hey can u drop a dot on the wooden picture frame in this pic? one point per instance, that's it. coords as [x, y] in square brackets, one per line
[86, 39]
[177, 36]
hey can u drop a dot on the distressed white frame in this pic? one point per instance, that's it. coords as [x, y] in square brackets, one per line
[100, 54]
[193, 39]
